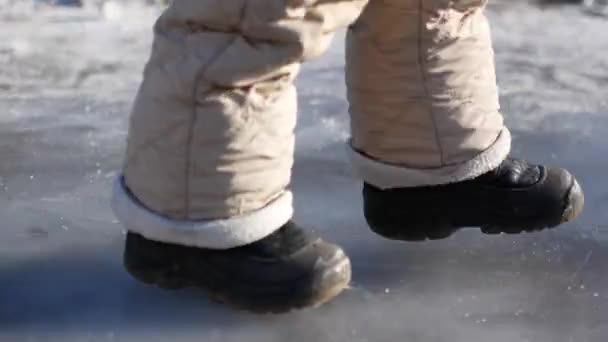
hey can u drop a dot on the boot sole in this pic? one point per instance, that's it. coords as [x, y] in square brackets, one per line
[436, 230]
[326, 285]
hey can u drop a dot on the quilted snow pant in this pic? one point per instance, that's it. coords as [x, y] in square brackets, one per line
[211, 136]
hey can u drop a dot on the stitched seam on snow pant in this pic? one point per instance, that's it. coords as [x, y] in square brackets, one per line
[194, 115]
[422, 65]
[193, 120]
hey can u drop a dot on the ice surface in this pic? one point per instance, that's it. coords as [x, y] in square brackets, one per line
[67, 79]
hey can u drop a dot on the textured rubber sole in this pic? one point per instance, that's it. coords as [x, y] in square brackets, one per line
[331, 283]
[436, 229]
[325, 286]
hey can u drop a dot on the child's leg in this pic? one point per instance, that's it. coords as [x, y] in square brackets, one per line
[210, 151]
[210, 144]
[423, 92]
[426, 121]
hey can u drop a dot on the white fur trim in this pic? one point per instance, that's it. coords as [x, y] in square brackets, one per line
[216, 234]
[387, 176]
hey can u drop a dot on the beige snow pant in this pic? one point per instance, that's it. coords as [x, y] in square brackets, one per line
[211, 137]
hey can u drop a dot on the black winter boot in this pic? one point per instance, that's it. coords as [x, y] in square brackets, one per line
[289, 269]
[513, 198]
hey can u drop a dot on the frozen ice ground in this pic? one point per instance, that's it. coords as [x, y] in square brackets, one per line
[66, 82]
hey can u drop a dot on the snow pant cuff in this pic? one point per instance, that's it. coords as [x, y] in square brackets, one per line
[214, 234]
[387, 176]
